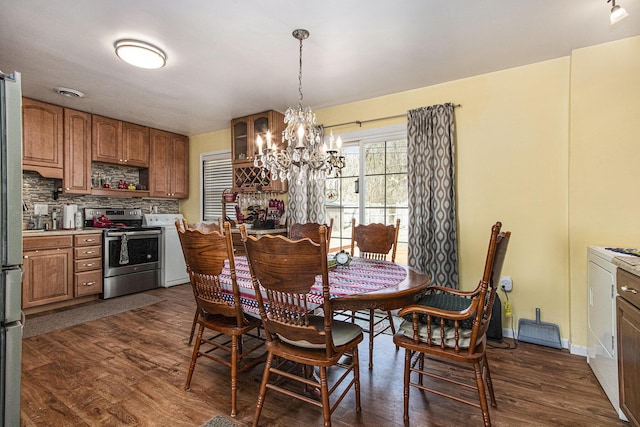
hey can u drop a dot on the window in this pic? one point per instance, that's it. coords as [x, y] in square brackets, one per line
[372, 187]
[216, 177]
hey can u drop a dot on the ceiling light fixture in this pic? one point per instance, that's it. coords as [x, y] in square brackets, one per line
[140, 54]
[617, 13]
[71, 93]
[303, 151]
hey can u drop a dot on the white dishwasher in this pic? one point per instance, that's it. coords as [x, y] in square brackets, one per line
[174, 270]
[602, 353]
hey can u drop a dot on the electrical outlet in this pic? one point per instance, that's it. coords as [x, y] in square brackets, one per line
[506, 284]
[40, 209]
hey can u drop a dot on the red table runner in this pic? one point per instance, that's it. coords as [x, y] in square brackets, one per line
[361, 276]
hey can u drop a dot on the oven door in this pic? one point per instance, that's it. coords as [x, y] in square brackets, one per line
[131, 251]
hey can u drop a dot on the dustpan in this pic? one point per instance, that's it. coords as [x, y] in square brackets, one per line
[537, 332]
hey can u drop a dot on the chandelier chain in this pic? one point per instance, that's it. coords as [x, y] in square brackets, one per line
[300, 75]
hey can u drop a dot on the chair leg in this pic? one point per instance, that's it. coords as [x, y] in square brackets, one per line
[194, 357]
[324, 391]
[356, 377]
[421, 368]
[482, 394]
[407, 377]
[393, 326]
[234, 373]
[193, 326]
[263, 388]
[487, 379]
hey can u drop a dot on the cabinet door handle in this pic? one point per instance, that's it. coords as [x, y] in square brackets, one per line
[89, 283]
[89, 265]
[26, 257]
[628, 289]
[89, 252]
[90, 240]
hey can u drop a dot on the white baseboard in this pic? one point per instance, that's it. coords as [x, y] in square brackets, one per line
[578, 350]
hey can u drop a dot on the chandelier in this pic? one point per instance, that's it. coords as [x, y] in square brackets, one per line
[302, 138]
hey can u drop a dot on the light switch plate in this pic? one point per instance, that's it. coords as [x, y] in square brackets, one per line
[40, 209]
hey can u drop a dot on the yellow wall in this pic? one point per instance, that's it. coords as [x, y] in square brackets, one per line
[604, 159]
[199, 144]
[513, 147]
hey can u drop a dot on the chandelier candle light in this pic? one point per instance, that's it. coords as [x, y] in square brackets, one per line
[302, 136]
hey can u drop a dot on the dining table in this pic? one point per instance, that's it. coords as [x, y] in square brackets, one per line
[362, 284]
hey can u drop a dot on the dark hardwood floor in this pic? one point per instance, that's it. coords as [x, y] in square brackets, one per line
[129, 369]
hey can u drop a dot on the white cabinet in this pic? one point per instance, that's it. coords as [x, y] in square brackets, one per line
[601, 319]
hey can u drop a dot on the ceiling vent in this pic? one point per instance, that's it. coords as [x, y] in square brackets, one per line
[71, 93]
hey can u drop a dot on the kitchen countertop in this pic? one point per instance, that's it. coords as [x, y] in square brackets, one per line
[40, 233]
[628, 263]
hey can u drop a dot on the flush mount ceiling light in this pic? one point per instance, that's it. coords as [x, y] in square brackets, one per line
[617, 13]
[140, 54]
[71, 93]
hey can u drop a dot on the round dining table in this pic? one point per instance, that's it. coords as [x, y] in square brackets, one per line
[363, 284]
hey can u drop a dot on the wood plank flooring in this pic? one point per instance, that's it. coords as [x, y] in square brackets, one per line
[129, 370]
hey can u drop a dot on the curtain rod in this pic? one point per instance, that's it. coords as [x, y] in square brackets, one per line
[360, 122]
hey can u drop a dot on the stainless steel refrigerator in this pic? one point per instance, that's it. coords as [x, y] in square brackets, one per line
[10, 248]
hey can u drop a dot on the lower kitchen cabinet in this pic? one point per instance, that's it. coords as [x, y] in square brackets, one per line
[48, 270]
[628, 322]
[59, 269]
[88, 264]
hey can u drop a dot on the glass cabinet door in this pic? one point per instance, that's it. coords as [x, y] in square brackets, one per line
[240, 140]
[260, 128]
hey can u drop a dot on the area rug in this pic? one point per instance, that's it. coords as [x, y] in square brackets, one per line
[219, 421]
[42, 324]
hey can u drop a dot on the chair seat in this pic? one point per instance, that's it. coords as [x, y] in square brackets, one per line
[228, 324]
[342, 333]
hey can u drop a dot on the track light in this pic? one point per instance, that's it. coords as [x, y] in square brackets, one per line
[617, 13]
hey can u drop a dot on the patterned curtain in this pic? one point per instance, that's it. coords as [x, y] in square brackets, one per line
[307, 193]
[433, 233]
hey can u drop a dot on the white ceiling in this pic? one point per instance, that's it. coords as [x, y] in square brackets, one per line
[237, 57]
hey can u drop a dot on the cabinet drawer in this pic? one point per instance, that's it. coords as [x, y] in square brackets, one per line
[88, 283]
[47, 242]
[84, 252]
[87, 239]
[631, 284]
[88, 264]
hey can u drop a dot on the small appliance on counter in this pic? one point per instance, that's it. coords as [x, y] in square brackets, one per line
[69, 216]
[174, 269]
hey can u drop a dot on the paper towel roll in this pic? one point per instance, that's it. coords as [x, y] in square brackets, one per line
[68, 216]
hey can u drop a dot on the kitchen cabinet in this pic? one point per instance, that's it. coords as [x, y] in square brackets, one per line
[87, 255]
[47, 270]
[244, 131]
[168, 173]
[628, 325]
[119, 142]
[42, 145]
[77, 152]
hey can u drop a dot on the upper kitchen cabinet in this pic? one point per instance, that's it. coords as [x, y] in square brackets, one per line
[120, 142]
[168, 173]
[77, 152]
[245, 130]
[42, 146]
[244, 149]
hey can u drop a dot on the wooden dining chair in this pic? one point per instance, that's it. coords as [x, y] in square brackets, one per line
[206, 227]
[374, 241]
[218, 310]
[450, 326]
[310, 230]
[286, 270]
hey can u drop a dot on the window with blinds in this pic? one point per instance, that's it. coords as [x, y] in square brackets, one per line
[216, 177]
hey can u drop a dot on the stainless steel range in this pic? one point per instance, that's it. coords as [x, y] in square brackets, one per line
[131, 253]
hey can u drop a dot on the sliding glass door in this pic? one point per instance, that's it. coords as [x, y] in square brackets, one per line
[371, 189]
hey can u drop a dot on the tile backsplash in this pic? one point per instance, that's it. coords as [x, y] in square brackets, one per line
[39, 190]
